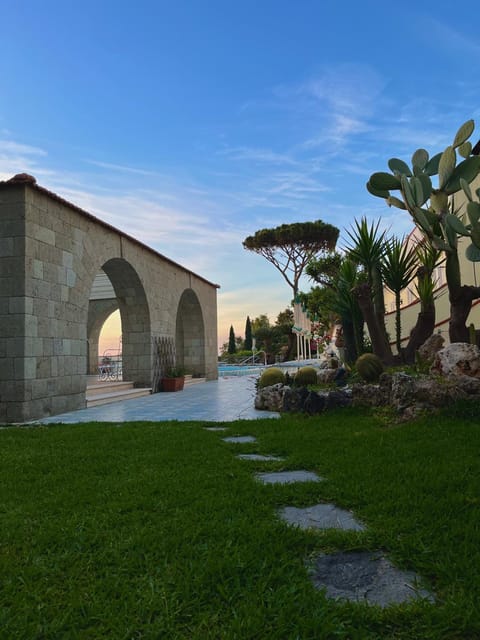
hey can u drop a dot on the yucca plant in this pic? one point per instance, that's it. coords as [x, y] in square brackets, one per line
[398, 267]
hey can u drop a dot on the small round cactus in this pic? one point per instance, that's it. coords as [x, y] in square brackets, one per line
[369, 367]
[306, 376]
[271, 376]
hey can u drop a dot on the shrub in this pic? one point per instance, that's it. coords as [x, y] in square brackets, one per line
[271, 376]
[369, 367]
[306, 376]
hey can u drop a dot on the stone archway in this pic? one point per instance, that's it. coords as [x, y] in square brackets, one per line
[190, 334]
[135, 315]
[52, 253]
[98, 312]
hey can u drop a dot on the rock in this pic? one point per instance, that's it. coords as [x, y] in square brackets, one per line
[367, 577]
[458, 358]
[270, 398]
[315, 403]
[369, 395]
[294, 398]
[402, 391]
[430, 348]
[339, 398]
[325, 376]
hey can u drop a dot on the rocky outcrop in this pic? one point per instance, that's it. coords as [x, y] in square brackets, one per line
[455, 376]
[430, 348]
[270, 398]
[458, 358]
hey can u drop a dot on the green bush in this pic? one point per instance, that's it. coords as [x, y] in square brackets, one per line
[369, 367]
[306, 376]
[271, 376]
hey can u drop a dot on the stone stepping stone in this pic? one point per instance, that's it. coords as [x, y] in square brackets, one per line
[321, 516]
[215, 428]
[365, 576]
[257, 456]
[240, 439]
[287, 477]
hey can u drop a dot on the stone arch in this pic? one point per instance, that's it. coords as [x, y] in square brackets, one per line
[190, 334]
[135, 315]
[53, 251]
[98, 312]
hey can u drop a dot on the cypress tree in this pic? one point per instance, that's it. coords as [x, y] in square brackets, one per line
[232, 347]
[248, 335]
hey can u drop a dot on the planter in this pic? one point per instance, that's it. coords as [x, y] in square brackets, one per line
[172, 384]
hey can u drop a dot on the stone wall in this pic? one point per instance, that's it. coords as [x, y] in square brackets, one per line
[50, 252]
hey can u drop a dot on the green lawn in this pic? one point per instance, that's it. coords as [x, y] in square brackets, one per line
[145, 530]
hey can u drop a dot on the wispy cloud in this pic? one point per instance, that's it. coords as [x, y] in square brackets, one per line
[16, 157]
[445, 37]
[252, 154]
[119, 167]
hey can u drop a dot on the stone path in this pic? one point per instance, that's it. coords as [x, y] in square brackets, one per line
[257, 456]
[286, 477]
[357, 576]
[363, 576]
[321, 516]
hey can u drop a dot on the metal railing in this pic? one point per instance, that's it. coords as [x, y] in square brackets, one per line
[110, 366]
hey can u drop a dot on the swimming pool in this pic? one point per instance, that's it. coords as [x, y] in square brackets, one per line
[227, 370]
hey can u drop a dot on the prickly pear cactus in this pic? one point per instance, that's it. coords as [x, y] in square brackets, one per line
[429, 205]
[369, 367]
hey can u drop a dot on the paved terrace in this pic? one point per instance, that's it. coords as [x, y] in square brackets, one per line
[222, 400]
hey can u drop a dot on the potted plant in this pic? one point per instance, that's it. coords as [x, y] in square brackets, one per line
[173, 379]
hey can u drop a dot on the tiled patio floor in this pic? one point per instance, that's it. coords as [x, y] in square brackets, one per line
[222, 400]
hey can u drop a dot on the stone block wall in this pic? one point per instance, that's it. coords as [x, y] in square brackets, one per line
[50, 252]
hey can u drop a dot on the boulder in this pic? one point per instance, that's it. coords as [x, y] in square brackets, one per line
[369, 395]
[430, 348]
[294, 398]
[325, 376]
[457, 359]
[270, 398]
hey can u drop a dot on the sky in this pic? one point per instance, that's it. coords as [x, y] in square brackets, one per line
[192, 124]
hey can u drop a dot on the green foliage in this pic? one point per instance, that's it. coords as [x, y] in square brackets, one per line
[290, 247]
[369, 366]
[398, 267]
[434, 215]
[174, 372]
[232, 344]
[428, 205]
[271, 376]
[306, 376]
[248, 335]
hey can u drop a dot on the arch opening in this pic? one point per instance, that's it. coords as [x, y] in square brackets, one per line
[118, 287]
[190, 334]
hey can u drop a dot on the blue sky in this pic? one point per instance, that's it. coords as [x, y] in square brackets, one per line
[192, 124]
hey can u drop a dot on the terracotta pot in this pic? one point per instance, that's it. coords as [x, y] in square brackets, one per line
[172, 384]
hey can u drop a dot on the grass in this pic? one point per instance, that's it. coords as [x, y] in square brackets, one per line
[145, 530]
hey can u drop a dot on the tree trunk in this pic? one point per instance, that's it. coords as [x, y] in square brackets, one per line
[376, 329]
[290, 347]
[351, 353]
[422, 330]
[460, 305]
[425, 324]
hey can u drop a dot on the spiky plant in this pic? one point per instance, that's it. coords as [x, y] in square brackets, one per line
[437, 219]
